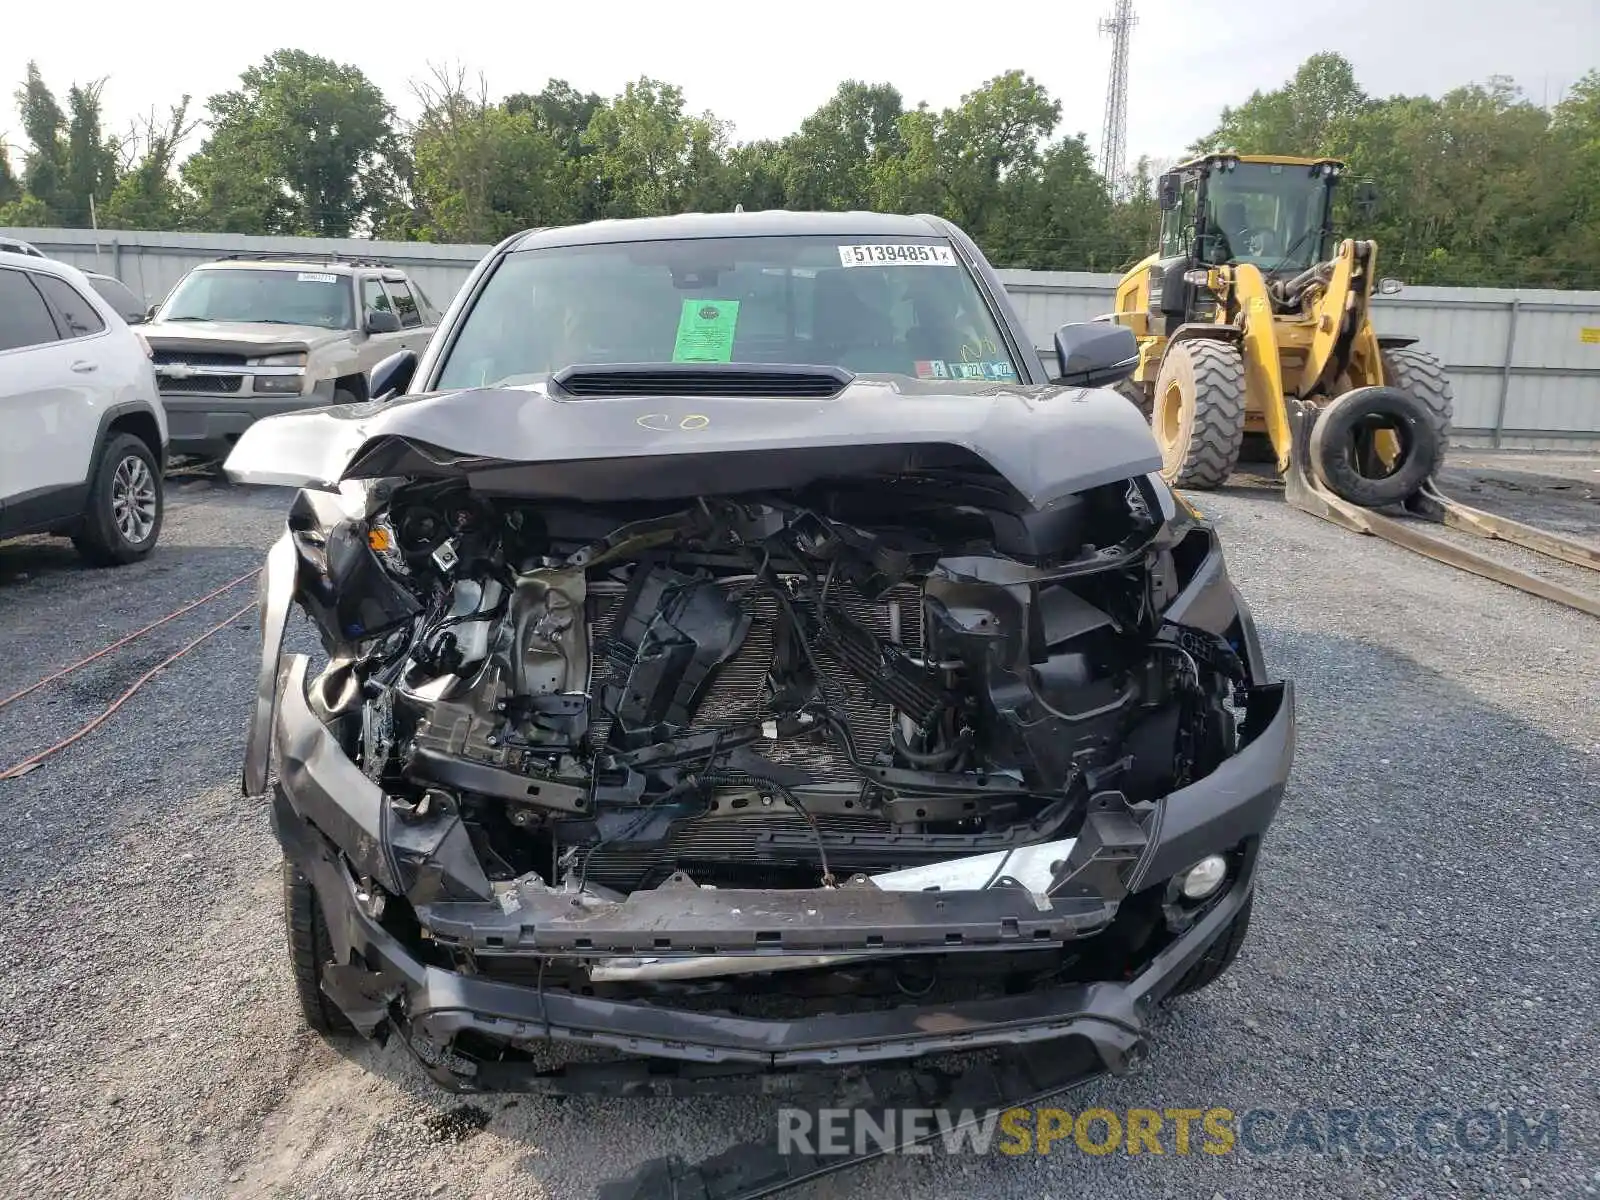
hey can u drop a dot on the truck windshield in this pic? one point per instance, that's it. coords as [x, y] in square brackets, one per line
[275, 297]
[1267, 214]
[902, 306]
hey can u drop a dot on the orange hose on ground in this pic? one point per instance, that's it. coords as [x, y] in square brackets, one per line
[28, 764]
[139, 633]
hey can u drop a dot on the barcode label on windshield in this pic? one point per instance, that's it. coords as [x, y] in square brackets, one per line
[316, 277]
[896, 256]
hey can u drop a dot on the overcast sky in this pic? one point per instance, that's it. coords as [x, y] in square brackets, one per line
[764, 66]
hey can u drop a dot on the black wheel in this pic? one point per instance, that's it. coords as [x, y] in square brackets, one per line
[1198, 413]
[310, 950]
[1344, 446]
[1136, 394]
[1220, 955]
[1423, 375]
[122, 518]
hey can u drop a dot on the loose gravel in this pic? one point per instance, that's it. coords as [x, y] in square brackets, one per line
[1426, 934]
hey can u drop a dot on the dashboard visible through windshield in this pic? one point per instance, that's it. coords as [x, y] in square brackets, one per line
[890, 305]
[275, 297]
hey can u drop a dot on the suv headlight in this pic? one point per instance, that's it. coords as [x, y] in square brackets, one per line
[278, 360]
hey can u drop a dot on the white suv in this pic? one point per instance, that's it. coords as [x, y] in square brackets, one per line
[83, 436]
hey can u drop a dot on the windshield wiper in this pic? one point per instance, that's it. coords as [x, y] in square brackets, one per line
[1294, 246]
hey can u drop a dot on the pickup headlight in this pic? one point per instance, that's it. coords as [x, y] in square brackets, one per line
[278, 360]
[288, 385]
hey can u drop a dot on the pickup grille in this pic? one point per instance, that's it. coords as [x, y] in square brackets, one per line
[196, 358]
[201, 383]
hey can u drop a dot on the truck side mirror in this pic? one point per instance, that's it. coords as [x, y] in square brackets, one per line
[1167, 192]
[1366, 198]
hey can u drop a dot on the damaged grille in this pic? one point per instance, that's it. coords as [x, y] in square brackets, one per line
[739, 688]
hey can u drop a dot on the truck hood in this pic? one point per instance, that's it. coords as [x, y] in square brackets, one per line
[245, 337]
[1045, 441]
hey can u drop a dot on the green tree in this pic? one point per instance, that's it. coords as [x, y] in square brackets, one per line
[831, 163]
[649, 156]
[45, 169]
[304, 145]
[92, 166]
[147, 194]
[483, 171]
[971, 163]
[10, 185]
[1311, 114]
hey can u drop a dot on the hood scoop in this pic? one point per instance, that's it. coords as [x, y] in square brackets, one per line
[699, 379]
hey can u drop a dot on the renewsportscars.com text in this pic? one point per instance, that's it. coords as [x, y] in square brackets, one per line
[832, 1132]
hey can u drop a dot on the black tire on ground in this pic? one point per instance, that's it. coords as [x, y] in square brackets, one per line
[310, 949]
[1136, 394]
[1423, 375]
[1198, 413]
[123, 514]
[1220, 955]
[1337, 451]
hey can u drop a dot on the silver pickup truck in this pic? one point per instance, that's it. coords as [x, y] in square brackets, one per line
[252, 335]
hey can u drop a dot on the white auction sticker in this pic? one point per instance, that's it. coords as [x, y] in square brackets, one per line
[316, 277]
[896, 256]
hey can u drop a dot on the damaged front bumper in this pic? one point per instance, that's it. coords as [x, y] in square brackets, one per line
[337, 830]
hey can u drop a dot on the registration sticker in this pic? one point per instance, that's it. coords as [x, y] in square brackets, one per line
[316, 277]
[932, 369]
[896, 256]
[964, 370]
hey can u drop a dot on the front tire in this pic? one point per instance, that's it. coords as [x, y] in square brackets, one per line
[1423, 375]
[126, 505]
[1219, 955]
[1199, 413]
[310, 951]
[1136, 394]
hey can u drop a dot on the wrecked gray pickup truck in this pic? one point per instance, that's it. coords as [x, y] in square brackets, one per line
[742, 654]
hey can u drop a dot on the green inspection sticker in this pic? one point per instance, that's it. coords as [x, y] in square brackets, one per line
[705, 331]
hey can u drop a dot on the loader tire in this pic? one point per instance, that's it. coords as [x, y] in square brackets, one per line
[1198, 414]
[1136, 394]
[1345, 466]
[1423, 375]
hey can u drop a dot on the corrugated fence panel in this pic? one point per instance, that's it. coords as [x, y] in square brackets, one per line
[1525, 365]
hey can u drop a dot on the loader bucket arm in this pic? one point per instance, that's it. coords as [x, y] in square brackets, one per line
[1341, 314]
[1263, 372]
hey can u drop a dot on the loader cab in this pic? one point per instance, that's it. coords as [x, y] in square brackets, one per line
[1221, 210]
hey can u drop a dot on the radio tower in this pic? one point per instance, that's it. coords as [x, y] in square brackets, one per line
[1114, 138]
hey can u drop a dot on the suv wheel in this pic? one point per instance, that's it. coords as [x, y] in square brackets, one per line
[122, 519]
[310, 950]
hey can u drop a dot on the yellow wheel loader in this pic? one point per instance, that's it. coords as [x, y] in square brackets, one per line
[1255, 338]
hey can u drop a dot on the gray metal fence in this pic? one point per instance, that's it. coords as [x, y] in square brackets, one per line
[1525, 364]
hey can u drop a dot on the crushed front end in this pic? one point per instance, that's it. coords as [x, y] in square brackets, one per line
[855, 771]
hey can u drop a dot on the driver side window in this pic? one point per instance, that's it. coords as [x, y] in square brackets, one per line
[373, 297]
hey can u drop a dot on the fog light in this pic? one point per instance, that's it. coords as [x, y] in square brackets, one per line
[1204, 878]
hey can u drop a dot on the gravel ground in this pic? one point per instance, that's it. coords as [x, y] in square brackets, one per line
[1426, 934]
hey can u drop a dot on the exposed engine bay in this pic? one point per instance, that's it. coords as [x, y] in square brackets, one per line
[770, 691]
